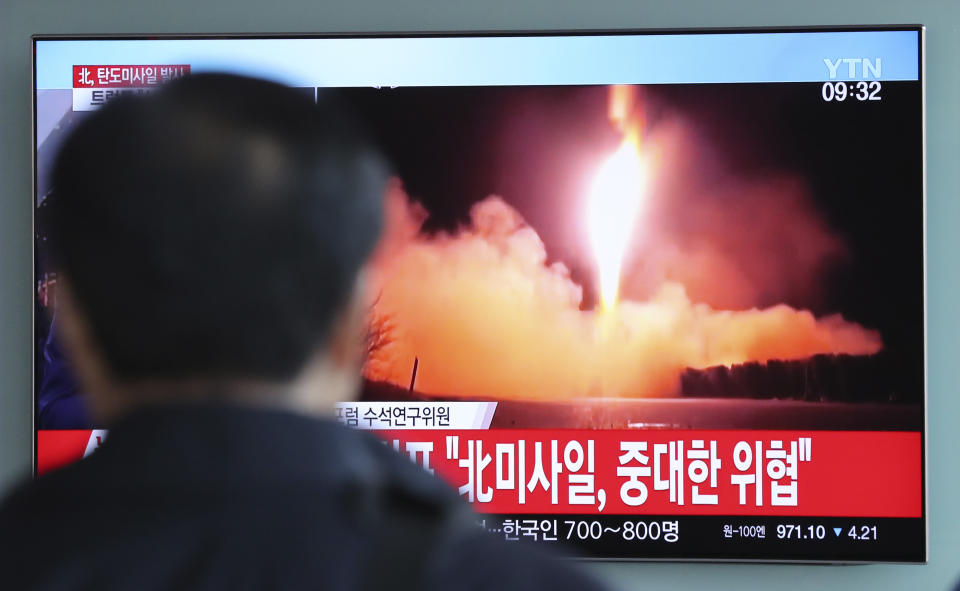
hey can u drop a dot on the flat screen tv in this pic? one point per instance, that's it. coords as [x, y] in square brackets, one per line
[642, 294]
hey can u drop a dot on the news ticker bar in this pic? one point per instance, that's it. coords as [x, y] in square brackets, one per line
[681, 58]
[718, 537]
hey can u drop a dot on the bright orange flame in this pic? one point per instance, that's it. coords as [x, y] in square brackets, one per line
[620, 106]
[613, 204]
[615, 197]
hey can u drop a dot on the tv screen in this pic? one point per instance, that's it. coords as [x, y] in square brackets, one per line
[640, 295]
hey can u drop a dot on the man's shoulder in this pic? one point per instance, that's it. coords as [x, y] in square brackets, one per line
[40, 518]
[462, 554]
[482, 561]
[16, 509]
[364, 482]
[28, 495]
[37, 507]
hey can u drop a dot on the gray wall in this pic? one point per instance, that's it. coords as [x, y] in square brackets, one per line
[21, 18]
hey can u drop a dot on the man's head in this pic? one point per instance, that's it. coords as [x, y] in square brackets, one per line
[214, 233]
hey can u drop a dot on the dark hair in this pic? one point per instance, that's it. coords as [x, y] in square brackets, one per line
[216, 227]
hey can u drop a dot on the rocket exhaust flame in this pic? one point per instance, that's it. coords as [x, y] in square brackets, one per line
[613, 203]
[620, 110]
[616, 196]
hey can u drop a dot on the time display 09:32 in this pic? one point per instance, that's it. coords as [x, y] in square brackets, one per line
[841, 91]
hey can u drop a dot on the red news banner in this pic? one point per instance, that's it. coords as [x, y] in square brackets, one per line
[794, 473]
[94, 85]
[798, 473]
[126, 76]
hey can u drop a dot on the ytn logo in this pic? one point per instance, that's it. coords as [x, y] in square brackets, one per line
[868, 69]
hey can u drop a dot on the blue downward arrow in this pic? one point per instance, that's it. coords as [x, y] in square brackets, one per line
[837, 531]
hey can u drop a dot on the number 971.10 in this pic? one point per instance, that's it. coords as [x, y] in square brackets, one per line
[811, 532]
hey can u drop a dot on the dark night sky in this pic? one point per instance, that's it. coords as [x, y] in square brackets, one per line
[536, 146]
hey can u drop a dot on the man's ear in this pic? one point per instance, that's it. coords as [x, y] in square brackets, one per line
[85, 355]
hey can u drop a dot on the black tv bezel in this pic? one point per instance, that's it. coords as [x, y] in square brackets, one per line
[921, 56]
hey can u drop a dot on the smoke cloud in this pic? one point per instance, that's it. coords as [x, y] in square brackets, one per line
[733, 240]
[487, 315]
